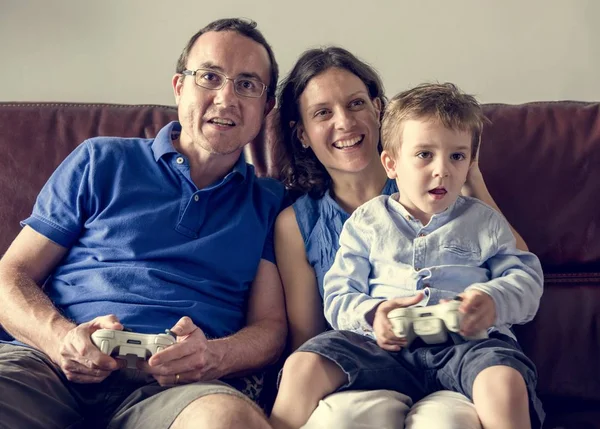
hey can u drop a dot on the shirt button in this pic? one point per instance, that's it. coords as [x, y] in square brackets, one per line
[196, 198]
[408, 217]
[180, 160]
[422, 234]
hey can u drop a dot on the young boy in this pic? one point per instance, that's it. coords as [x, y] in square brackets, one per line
[420, 246]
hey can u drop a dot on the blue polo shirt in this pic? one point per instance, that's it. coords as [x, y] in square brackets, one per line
[149, 246]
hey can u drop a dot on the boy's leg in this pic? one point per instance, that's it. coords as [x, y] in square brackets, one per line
[501, 399]
[34, 391]
[510, 374]
[306, 379]
[366, 367]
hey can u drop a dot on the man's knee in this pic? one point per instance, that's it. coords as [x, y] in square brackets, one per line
[444, 410]
[360, 409]
[221, 411]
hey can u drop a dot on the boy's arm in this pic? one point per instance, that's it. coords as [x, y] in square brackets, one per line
[517, 279]
[348, 304]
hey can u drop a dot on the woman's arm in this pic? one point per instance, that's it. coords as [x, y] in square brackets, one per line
[475, 187]
[302, 298]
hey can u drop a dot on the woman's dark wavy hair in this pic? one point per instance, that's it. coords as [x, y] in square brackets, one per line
[302, 172]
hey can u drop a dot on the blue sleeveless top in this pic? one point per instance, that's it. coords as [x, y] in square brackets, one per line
[320, 222]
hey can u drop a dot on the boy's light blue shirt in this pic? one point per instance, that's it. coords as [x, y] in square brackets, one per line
[386, 253]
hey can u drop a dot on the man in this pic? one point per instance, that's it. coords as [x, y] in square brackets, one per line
[173, 232]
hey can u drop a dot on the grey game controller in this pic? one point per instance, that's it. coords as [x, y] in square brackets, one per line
[431, 324]
[131, 346]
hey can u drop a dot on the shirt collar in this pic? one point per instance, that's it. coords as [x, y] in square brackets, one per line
[163, 145]
[436, 219]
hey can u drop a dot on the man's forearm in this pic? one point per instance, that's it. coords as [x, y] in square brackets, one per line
[27, 313]
[250, 349]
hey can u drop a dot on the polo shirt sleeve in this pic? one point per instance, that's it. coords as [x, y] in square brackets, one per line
[269, 248]
[60, 209]
[279, 200]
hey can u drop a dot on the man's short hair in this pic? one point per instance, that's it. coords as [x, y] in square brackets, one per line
[245, 27]
[443, 102]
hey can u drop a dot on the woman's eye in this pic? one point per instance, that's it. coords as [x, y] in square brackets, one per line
[424, 155]
[458, 156]
[321, 112]
[357, 103]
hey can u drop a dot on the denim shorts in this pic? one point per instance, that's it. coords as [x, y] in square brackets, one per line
[422, 369]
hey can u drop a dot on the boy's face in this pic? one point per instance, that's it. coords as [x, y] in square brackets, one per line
[430, 167]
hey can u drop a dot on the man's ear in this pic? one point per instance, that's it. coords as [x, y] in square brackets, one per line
[389, 163]
[269, 105]
[177, 83]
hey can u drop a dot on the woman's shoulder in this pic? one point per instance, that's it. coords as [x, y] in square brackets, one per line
[305, 211]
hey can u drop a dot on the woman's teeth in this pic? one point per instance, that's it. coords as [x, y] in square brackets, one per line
[341, 144]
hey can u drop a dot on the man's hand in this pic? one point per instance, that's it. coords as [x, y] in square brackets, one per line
[188, 360]
[478, 310]
[386, 339]
[80, 359]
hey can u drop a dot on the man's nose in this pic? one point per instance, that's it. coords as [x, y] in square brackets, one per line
[226, 95]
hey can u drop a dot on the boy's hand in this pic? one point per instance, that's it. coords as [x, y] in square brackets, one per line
[386, 339]
[479, 312]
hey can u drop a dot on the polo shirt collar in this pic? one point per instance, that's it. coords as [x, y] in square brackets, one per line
[163, 145]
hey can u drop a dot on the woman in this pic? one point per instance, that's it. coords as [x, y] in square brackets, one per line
[331, 104]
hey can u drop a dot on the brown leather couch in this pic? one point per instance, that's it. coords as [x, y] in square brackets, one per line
[541, 162]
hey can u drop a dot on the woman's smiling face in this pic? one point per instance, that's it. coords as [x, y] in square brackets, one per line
[339, 121]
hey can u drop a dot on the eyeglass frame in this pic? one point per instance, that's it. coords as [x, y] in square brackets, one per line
[194, 73]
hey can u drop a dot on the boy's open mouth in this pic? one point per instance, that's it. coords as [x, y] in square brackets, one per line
[438, 192]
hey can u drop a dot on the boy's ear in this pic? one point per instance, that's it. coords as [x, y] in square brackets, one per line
[389, 163]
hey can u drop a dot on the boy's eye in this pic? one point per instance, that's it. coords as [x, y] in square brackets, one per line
[458, 156]
[424, 155]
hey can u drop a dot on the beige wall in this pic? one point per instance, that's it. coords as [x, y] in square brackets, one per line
[124, 51]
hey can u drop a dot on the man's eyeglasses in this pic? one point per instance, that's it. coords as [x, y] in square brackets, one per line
[211, 79]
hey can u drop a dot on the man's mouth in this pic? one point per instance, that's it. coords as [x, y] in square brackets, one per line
[224, 122]
[348, 143]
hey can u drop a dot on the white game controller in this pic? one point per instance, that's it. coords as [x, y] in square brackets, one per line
[431, 324]
[130, 345]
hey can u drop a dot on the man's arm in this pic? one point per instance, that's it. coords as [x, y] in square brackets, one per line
[261, 342]
[30, 317]
[27, 313]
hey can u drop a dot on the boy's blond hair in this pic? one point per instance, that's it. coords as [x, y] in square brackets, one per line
[443, 102]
